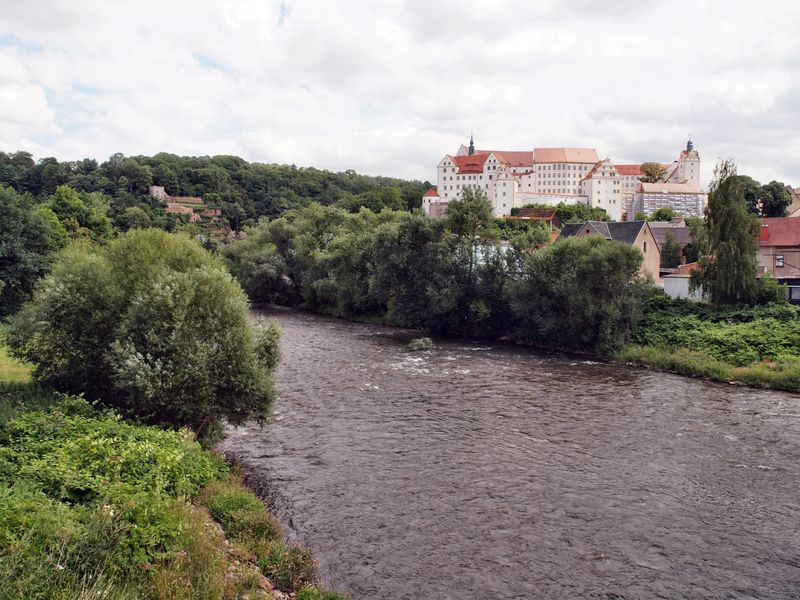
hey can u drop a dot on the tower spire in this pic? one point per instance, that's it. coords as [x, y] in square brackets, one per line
[471, 144]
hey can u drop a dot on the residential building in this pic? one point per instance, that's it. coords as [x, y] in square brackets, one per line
[634, 233]
[779, 252]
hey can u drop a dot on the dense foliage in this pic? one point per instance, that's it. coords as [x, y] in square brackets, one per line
[150, 323]
[29, 237]
[581, 293]
[92, 506]
[740, 335]
[727, 273]
[572, 213]
[447, 276]
[244, 191]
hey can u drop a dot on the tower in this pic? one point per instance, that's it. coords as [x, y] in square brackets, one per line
[471, 144]
[689, 165]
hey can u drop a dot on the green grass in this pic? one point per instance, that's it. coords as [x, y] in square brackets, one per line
[93, 506]
[11, 370]
[783, 375]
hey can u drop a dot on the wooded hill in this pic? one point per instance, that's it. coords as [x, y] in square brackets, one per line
[244, 191]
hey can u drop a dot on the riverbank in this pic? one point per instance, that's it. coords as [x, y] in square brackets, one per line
[92, 505]
[753, 346]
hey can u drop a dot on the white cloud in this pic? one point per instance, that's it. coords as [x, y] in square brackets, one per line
[390, 87]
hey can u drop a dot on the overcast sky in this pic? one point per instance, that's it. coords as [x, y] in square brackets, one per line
[389, 87]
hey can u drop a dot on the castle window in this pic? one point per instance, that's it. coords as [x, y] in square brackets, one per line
[645, 247]
[779, 261]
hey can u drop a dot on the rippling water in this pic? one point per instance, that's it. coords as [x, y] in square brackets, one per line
[487, 471]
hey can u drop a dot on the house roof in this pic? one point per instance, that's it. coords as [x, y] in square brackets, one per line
[470, 163]
[780, 231]
[431, 192]
[670, 188]
[515, 159]
[597, 165]
[565, 155]
[547, 214]
[629, 170]
[625, 231]
[683, 235]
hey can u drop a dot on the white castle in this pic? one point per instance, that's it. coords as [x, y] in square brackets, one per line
[570, 175]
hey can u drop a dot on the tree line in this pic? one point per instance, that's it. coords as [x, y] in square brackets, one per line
[244, 191]
[448, 276]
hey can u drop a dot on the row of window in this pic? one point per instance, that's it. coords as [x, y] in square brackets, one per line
[562, 167]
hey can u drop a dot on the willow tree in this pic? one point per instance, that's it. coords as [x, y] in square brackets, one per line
[727, 271]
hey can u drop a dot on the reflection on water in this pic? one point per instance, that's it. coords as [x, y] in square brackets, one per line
[480, 471]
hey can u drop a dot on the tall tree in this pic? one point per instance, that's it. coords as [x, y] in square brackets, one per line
[29, 237]
[775, 199]
[652, 172]
[727, 272]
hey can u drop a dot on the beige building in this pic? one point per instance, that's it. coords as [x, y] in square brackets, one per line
[633, 233]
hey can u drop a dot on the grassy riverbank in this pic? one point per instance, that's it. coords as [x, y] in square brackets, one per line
[94, 506]
[756, 346]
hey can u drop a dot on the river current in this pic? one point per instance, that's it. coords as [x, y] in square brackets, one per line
[485, 471]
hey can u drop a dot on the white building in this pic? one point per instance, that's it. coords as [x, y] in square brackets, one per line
[684, 198]
[513, 179]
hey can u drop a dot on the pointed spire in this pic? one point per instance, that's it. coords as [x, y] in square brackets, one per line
[471, 144]
[689, 144]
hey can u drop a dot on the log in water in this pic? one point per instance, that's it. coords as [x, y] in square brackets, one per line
[477, 470]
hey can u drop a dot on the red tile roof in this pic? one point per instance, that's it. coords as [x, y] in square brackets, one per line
[515, 158]
[629, 170]
[780, 231]
[470, 163]
[431, 192]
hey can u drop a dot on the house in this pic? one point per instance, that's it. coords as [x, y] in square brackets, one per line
[548, 216]
[677, 228]
[633, 233]
[779, 252]
[193, 210]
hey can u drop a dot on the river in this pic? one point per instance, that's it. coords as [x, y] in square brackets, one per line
[488, 471]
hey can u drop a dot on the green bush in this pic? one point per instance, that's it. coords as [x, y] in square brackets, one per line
[241, 514]
[739, 335]
[83, 459]
[423, 343]
[152, 324]
[313, 593]
[289, 566]
[580, 293]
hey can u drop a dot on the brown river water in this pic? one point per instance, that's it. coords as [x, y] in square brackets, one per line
[485, 471]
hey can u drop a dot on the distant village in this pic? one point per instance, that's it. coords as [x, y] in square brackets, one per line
[543, 177]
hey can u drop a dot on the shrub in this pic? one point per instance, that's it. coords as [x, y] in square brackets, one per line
[312, 593]
[80, 458]
[423, 343]
[241, 514]
[579, 294]
[290, 567]
[152, 324]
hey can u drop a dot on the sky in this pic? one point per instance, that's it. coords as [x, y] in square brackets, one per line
[390, 87]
